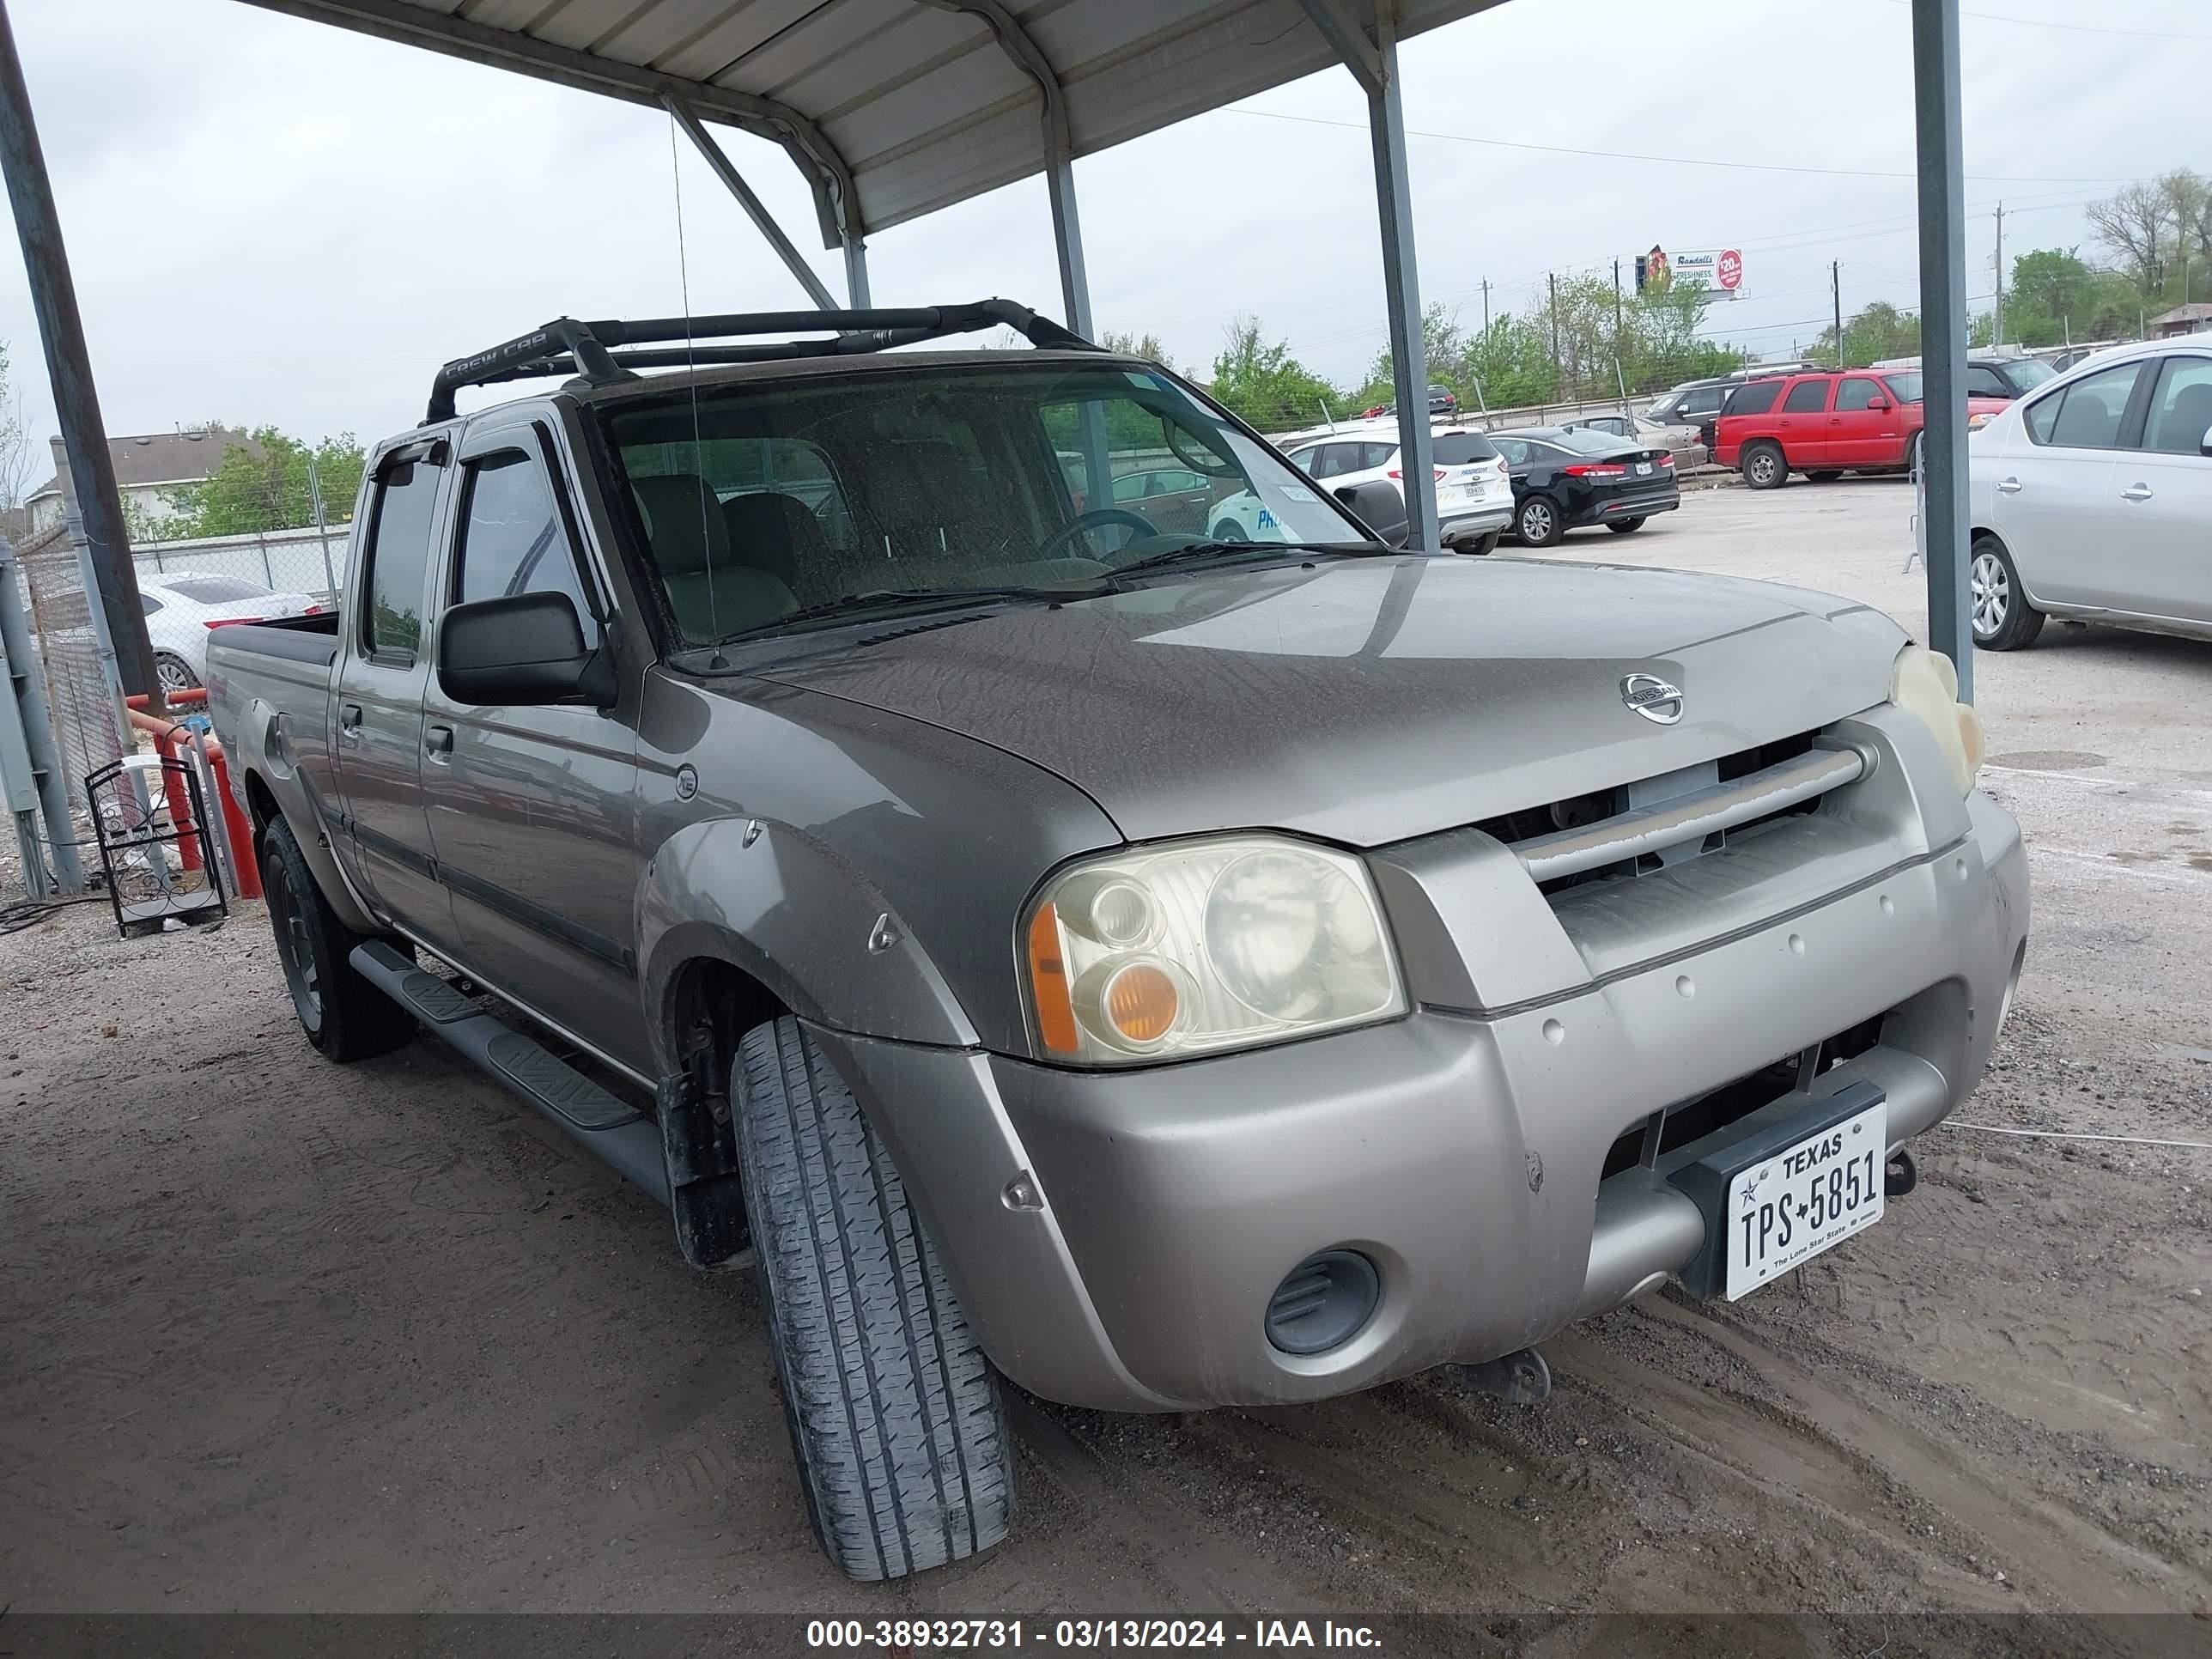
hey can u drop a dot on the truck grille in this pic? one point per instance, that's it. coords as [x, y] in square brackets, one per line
[1637, 828]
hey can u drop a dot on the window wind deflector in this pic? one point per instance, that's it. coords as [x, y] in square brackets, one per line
[682, 342]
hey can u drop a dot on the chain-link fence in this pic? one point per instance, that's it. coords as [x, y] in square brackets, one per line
[188, 589]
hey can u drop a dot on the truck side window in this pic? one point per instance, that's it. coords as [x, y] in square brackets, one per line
[1856, 395]
[1757, 398]
[1806, 397]
[399, 559]
[512, 540]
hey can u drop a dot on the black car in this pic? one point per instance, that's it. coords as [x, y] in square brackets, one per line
[1562, 479]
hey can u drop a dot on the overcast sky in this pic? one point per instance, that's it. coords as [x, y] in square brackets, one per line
[280, 222]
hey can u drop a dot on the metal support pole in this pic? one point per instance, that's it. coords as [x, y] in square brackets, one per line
[1943, 327]
[23, 701]
[1401, 286]
[114, 589]
[756, 210]
[856, 273]
[1067, 242]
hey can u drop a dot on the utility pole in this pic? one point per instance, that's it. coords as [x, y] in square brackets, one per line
[1836, 294]
[1996, 327]
[89, 475]
[1616, 302]
[1551, 279]
[1485, 305]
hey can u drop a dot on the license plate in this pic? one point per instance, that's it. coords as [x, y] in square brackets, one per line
[1644, 469]
[1783, 1212]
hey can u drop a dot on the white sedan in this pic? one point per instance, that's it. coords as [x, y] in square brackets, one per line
[182, 606]
[1474, 493]
[2092, 497]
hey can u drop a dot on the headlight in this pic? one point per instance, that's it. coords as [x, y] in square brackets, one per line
[1924, 683]
[1163, 951]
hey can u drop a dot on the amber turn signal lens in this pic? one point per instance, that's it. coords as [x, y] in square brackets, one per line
[1141, 1002]
[1055, 1013]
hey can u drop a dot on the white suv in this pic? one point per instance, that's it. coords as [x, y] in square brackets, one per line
[2092, 497]
[1474, 492]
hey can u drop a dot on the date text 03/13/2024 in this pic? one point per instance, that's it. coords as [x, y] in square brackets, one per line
[933, 1635]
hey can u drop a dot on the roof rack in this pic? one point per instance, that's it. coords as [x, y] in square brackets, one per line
[588, 346]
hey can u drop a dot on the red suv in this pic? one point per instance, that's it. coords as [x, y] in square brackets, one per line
[1824, 425]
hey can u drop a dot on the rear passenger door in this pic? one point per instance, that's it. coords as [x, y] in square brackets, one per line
[2057, 510]
[378, 740]
[532, 810]
[1802, 424]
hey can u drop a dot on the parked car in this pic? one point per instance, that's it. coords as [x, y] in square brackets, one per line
[1680, 440]
[1695, 405]
[1563, 479]
[1475, 498]
[183, 606]
[1829, 423]
[1168, 498]
[1999, 375]
[1167, 973]
[2092, 498]
[1442, 400]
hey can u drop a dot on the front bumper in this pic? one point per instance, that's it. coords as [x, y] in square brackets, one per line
[1462, 1149]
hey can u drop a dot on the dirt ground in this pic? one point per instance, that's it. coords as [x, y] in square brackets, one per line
[276, 1335]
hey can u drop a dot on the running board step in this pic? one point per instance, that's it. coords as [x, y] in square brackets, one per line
[624, 1139]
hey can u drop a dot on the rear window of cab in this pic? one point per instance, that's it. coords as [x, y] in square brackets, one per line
[1755, 398]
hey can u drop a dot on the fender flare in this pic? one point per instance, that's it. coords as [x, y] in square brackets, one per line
[816, 934]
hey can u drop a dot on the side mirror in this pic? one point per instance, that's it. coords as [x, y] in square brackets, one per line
[1878, 405]
[519, 651]
[2205, 446]
[1379, 507]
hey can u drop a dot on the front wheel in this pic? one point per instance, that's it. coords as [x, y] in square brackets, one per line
[345, 1016]
[1625, 526]
[1763, 467]
[2003, 619]
[894, 1412]
[1538, 523]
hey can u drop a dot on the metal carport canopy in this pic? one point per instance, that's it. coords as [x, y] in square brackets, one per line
[914, 104]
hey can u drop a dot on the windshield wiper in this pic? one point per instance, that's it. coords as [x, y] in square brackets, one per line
[1218, 549]
[880, 599]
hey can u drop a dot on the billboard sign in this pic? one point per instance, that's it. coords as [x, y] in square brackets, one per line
[1721, 269]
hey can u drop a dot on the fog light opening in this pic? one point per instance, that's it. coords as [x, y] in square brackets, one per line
[1323, 1302]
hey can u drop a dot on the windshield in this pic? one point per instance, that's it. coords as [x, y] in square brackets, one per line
[2028, 373]
[1905, 385]
[757, 501]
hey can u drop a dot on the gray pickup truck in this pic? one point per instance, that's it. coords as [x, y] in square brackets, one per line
[1048, 944]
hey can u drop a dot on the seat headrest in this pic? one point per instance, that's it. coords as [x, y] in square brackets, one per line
[773, 532]
[682, 522]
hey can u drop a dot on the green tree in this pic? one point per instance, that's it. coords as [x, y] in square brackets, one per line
[1147, 346]
[1258, 380]
[2056, 295]
[1880, 332]
[265, 486]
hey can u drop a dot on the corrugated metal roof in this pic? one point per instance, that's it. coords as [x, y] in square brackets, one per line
[905, 106]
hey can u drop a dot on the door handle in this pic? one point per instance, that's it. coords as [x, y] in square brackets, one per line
[2009, 486]
[350, 722]
[2138, 493]
[439, 740]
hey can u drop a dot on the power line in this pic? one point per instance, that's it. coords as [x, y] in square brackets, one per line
[2074, 28]
[1676, 160]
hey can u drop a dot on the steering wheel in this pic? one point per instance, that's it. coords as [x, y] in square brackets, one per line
[1083, 523]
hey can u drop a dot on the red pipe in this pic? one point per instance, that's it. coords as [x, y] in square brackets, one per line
[237, 830]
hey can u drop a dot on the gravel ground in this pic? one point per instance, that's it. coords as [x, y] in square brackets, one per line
[278, 1335]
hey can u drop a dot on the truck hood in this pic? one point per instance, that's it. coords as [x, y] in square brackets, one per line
[1365, 701]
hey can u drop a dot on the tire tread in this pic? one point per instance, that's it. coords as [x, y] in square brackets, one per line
[902, 1448]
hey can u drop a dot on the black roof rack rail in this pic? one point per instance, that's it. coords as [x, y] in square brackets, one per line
[589, 346]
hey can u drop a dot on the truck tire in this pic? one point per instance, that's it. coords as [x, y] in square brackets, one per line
[1765, 466]
[345, 1016]
[894, 1412]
